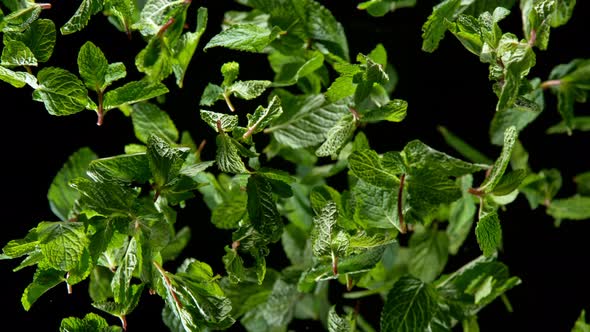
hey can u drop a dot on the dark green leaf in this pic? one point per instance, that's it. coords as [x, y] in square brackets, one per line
[93, 66]
[489, 233]
[90, 322]
[123, 169]
[463, 147]
[410, 306]
[148, 119]
[81, 17]
[61, 196]
[262, 208]
[165, 161]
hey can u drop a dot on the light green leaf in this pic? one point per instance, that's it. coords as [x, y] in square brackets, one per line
[540, 188]
[156, 13]
[290, 69]
[104, 198]
[44, 280]
[327, 238]
[61, 91]
[62, 243]
[375, 207]
[337, 137]
[15, 53]
[582, 181]
[461, 215]
[21, 18]
[227, 122]
[262, 117]
[244, 37]
[517, 59]
[211, 94]
[262, 209]
[394, 111]
[234, 265]
[185, 47]
[581, 123]
[17, 79]
[61, 196]
[574, 208]
[421, 156]
[510, 182]
[133, 92]
[410, 306]
[90, 322]
[228, 214]
[489, 233]
[368, 166]
[581, 325]
[39, 38]
[501, 163]
[428, 254]
[247, 89]
[82, 16]
[379, 8]
[148, 119]
[93, 66]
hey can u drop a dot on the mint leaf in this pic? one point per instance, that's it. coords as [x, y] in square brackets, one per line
[227, 156]
[461, 216]
[375, 207]
[17, 79]
[463, 147]
[216, 120]
[195, 298]
[61, 196]
[574, 208]
[93, 66]
[262, 209]
[421, 156]
[262, 117]
[165, 161]
[123, 169]
[327, 238]
[337, 323]
[410, 306]
[368, 166]
[104, 198]
[16, 53]
[247, 89]
[39, 38]
[337, 137]
[394, 111]
[290, 69]
[379, 8]
[581, 123]
[90, 322]
[185, 47]
[244, 37]
[61, 91]
[156, 13]
[540, 188]
[428, 254]
[133, 92]
[148, 119]
[489, 233]
[82, 16]
[62, 243]
[501, 163]
[120, 283]
[228, 214]
[44, 280]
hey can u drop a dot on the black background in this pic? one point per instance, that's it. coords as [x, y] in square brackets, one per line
[449, 88]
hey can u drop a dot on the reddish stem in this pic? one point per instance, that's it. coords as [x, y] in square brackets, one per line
[165, 27]
[100, 111]
[547, 84]
[168, 284]
[201, 146]
[44, 5]
[123, 322]
[334, 264]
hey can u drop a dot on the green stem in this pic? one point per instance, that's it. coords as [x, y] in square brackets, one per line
[228, 102]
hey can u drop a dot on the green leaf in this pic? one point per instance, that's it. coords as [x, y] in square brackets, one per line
[582, 181]
[337, 323]
[44, 280]
[195, 298]
[176, 245]
[489, 233]
[122, 169]
[461, 216]
[463, 147]
[368, 166]
[90, 322]
[305, 121]
[133, 92]
[234, 265]
[185, 47]
[247, 89]
[82, 16]
[581, 325]
[21, 18]
[93, 66]
[327, 238]
[228, 214]
[262, 209]
[410, 306]
[226, 122]
[122, 278]
[165, 161]
[375, 207]
[421, 156]
[244, 37]
[211, 94]
[262, 117]
[510, 182]
[574, 208]
[501, 163]
[61, 196]
[540, 188]
[148, 119]
[39, 38]
[379, 8]
[517, 59]
[17, 79]
[227, 157]
[581, 123]
[104, 198]
[290, 69]
[428, 254]
[394, 111]
[61, 91]
[156, 13]
[337, 137]
[16, 53]
[62, 243]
